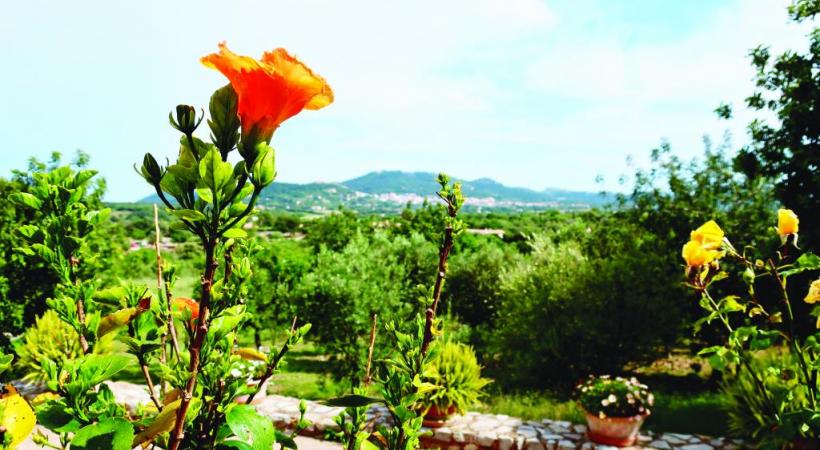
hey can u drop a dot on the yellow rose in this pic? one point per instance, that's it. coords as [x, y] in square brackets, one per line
[709, 235]
[696, 254]
[814, 292]
[787, 222]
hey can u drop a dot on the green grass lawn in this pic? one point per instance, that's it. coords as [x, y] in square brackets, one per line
[185, 285]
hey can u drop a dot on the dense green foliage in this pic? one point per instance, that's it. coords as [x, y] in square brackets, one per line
[787, 150]
[25, 283]
[371, 275]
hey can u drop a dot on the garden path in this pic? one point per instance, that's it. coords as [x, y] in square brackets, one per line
[472, 431]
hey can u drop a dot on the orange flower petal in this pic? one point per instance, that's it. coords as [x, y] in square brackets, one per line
[271, 90]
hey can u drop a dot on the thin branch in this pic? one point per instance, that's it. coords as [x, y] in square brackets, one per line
[793, 334]
[367, 377]
[150, 383]
[274, 364]
[178, 433]
[160, 285]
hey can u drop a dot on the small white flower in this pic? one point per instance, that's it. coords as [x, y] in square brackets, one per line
[612, 398]
[605, 402]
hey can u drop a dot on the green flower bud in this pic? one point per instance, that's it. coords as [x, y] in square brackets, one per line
[749, 275]
[263, 170]
[186, 121]
[151, 170]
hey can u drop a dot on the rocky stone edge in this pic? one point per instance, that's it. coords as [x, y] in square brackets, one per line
[473, 431]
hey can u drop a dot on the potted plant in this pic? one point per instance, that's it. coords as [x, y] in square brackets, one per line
[615, 408]
[456, 375]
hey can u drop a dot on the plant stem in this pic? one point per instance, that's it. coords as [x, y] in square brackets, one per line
[742, 354]
[149, 382]
[443, 254]
[78, 300]
[169, 318]
[793, 336]
[274, 363]
[367, 377]
[195, 349]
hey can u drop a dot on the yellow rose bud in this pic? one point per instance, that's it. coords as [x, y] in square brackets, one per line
[695, 254]
[251, 354]
[709, 235]
[814, 292]
[787, 222]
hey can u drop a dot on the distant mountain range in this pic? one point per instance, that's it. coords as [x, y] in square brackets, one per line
[387, 192]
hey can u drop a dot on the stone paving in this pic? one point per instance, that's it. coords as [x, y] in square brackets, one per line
[473, 431]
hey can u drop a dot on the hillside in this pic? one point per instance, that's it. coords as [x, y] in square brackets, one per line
[386, 192]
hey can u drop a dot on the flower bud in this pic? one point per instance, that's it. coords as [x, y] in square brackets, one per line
[263, 170]
[787, 222]
[151, 170]
[186, 121]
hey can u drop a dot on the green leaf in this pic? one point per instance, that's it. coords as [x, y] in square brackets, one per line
[26, 199]
[55, 416]
[188, 214]
[94, 369]
[806, 261]
[352, 401]
[206, 194]
[108, 434]
[730, 304]
[214, 172]
[226, 322]
[235, 233]
[5, 361]
[234, 444]
[285, 440]
[251, 427]
[764, 339]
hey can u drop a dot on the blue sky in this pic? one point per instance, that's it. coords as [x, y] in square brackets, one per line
[531, 93]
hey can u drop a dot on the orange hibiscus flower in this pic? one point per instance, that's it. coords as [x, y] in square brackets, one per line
[182, 306]
[270, 90]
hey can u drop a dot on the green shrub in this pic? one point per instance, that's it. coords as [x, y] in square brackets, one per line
[457, 376]
[565, 314]
[371, 275]
[746, 409]
[48, 339]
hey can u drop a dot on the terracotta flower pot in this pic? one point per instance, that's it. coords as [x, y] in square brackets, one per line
[436, 418]
[617, 431]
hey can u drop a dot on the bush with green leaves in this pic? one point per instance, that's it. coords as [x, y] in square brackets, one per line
[456, 375]
[194, 393]
[279, 266]
[400, 380]
[565, 313]
[48, 339]
[746, 408]
[26, 283]
[785, 413]
[375, 274]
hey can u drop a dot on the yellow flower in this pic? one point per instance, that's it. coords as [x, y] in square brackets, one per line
[696, 254]
[814, 292]
[787, 222]
[709, 235]
[18, 418]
